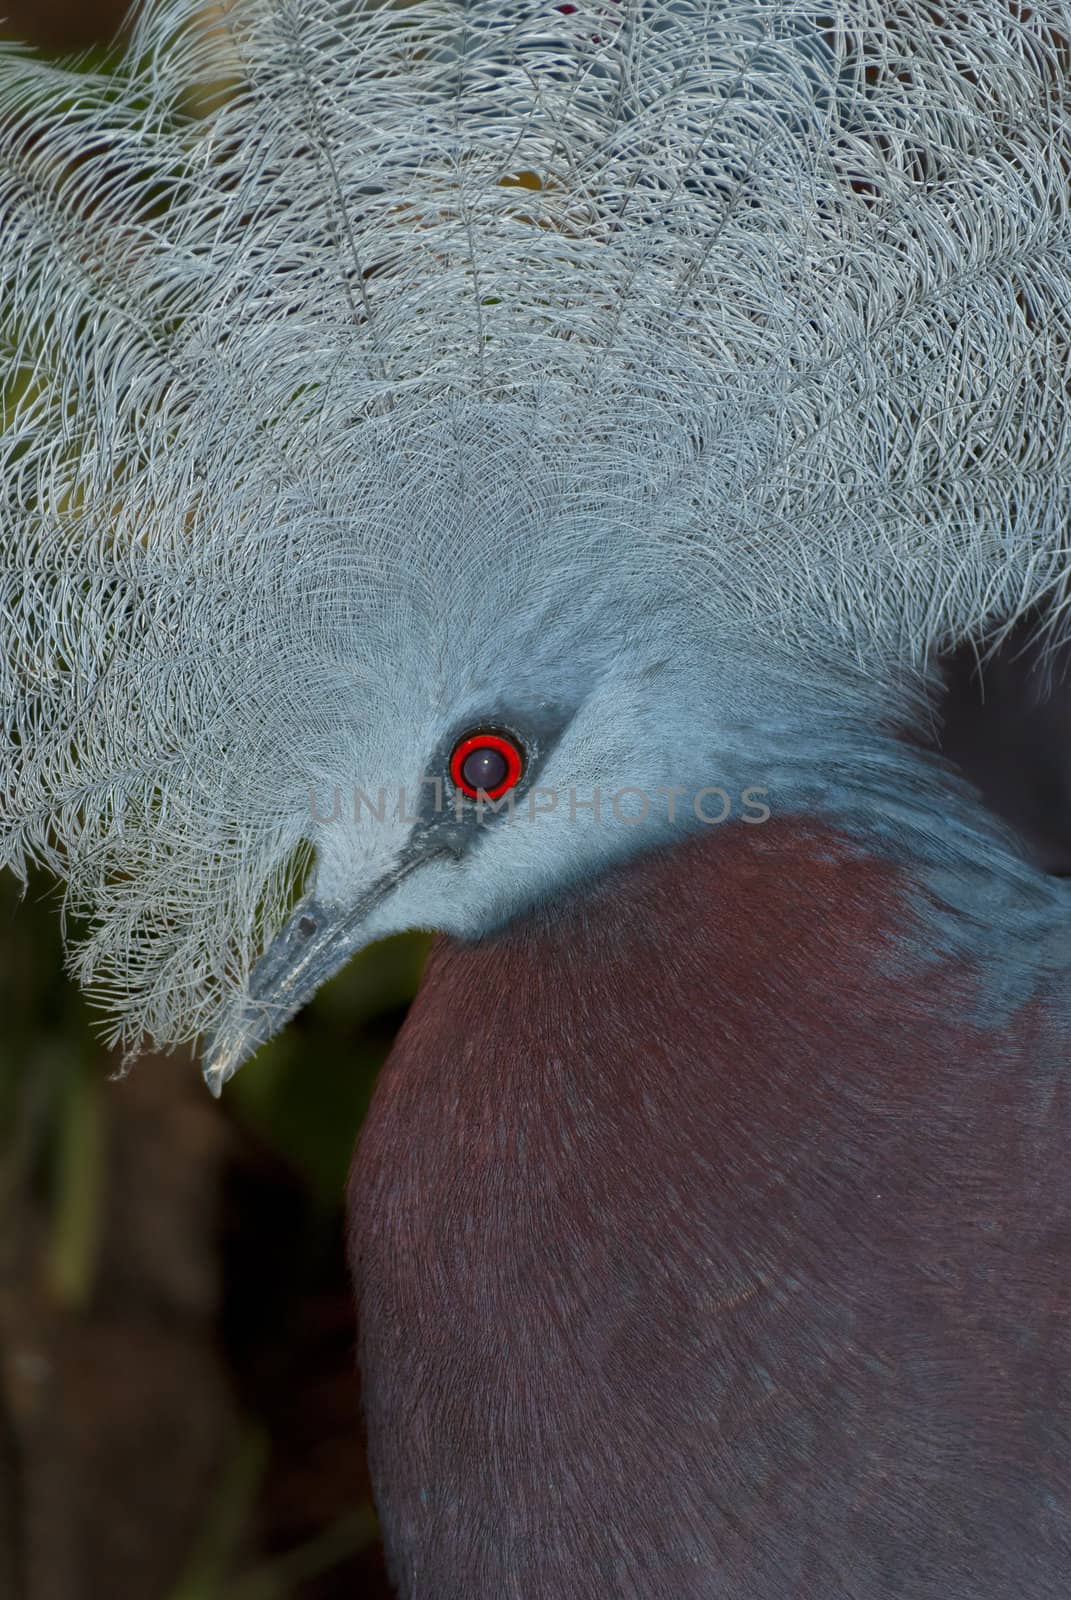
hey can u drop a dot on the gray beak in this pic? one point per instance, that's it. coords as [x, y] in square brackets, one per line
[312, 945]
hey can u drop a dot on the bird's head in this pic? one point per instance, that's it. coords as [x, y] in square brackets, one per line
[530, 698]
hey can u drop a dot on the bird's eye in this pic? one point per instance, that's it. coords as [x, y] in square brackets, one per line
[486, 763]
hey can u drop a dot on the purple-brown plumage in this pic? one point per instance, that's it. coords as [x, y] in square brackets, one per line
[698, 1254]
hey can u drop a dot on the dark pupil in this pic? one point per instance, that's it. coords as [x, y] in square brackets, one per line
[484, 769]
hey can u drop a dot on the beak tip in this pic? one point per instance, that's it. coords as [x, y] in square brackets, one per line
[214, 1078]
[219, 1064]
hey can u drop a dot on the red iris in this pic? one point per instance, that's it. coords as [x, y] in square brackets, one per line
[487, 764]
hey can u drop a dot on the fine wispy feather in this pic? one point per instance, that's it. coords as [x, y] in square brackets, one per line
[768, 302]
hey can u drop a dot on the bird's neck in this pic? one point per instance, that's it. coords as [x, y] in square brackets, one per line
[642, 1175]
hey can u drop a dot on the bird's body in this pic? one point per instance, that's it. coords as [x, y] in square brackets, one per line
[703, 1255]
[590, 408]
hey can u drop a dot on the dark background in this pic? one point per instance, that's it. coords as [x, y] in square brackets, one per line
[179, 1412]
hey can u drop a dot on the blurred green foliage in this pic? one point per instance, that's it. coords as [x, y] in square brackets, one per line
[304, 1095]
[71, 1276]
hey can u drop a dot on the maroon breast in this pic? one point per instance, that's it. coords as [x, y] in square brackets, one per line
[704, 1248]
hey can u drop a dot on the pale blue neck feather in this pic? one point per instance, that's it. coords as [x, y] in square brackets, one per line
[980, 898]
